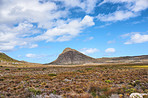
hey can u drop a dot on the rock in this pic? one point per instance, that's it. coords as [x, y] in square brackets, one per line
[71, 56]
[54, 96]
[137, 95]
[114, 96]
[67, 80]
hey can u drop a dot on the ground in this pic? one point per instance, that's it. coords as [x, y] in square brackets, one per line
[98, 81]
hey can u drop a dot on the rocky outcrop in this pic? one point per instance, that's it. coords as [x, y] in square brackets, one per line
[71, 56]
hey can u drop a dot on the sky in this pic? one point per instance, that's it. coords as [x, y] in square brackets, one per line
[39, 30]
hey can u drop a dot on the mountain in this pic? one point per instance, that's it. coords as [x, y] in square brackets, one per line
[6, 58]
[71, 56]
[125, 59]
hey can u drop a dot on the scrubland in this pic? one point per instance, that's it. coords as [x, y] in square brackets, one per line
[100, 81]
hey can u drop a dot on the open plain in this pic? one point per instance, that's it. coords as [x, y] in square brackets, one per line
[79, 81]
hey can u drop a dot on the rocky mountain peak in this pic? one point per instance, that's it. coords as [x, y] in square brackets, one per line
[68, 49]
[71, 56]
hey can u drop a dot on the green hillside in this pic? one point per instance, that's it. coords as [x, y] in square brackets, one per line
[4, 57]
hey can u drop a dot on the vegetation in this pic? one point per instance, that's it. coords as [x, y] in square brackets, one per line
[4, 57]
[81, 81]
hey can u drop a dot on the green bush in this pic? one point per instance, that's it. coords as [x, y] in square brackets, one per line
[93, 94]
[137, 82]
[88, 69]
[52, 74]
[54, 91]
[44, 69]
[81, 71]
[7, 69]
[19, 68]
[131, 90]
[1, 79]
[108, 81]
[35, 91]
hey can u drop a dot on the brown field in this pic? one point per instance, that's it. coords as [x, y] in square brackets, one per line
[72, 81]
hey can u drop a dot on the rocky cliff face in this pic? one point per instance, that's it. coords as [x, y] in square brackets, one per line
[71, 56]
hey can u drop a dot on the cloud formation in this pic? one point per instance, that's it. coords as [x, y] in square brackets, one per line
[133, 8]
[136, 38]
[89, 50]
[67, 30]
[117, 16]
[25, 22]
[110, 50]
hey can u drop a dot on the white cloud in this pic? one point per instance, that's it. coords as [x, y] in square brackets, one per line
[86, 5]
[136, 38]
[16, 36]
[110, 50]
[89, 50]
[133, 8]
[139, 5]
[102, 26]
[30, 55]
[24, 22]
[89, 38]
[33, 46]
[16, 11]
[133, 5]
[36, 56]
[111, 41]
[67, 30]
[117, 16]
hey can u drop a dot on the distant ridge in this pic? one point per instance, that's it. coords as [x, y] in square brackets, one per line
[71, 56]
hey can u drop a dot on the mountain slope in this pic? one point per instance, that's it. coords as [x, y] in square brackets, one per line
[6, 58]
[71, 56]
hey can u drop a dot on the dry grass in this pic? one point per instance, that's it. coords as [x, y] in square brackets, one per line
[144, 66]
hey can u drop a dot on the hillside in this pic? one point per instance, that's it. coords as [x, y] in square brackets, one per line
[71, 56]
[125, 59]
[6, 58]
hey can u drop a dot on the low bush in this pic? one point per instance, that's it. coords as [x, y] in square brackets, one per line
[35, 91]
[52, 74]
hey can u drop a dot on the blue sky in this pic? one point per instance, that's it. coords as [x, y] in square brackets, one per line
[39, 30]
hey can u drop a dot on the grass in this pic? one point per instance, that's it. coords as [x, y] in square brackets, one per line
[144, 66]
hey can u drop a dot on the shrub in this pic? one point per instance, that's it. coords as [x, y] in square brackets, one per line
[81, 71]
[88, 69]
[44, 69]
[52, 74]
[108, 81]
[1, 79]
[137, 82]
[35, 91]
[43, 83]
[19, 68]
[54, 91]
[7, 69]
[131, 90]
[93, 94]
